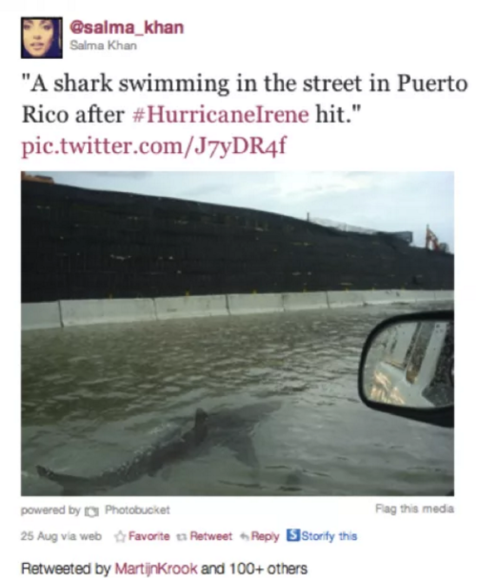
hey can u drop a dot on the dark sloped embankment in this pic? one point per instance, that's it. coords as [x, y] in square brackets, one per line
[85, 244]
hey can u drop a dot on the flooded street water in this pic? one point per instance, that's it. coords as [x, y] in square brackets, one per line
[92, 396]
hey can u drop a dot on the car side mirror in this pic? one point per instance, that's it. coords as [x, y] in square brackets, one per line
[407, 367]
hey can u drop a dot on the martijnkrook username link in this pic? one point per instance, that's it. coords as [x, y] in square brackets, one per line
[199, 145]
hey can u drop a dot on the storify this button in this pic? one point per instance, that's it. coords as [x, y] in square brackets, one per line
[293, 535]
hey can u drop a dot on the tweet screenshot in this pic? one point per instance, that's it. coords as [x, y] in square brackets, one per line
[228, 331]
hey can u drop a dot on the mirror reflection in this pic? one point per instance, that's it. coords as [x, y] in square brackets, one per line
[411, 364]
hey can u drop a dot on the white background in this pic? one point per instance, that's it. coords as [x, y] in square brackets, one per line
[393, 132]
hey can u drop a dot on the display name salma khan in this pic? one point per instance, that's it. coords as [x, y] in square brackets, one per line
[109, 45]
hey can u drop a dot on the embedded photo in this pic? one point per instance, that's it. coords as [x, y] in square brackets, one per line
[41, 38]
[237, 334]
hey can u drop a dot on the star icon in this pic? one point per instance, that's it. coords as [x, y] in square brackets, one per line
[121, 536]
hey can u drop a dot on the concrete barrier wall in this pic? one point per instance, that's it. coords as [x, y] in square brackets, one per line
[86, 312]
[196, 306]
[40, 315]
[400, 296]
[303, 301]
[89, 312]
[443, 295]
[250, 304]
[416, 296]
[344, 299]
[380, 297]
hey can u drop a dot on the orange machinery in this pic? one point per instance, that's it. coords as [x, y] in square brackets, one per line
[432, 242]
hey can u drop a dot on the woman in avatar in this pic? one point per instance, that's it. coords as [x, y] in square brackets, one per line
[41, 38]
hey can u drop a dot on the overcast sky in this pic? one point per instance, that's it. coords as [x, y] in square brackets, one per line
[381, 201]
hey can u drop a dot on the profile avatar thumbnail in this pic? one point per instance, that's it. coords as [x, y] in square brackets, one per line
[41, 37]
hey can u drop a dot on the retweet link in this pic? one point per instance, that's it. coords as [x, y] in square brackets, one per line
[194, 146]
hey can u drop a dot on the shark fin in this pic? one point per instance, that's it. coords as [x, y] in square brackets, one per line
[200, 426]
[70, 484]
[244, 451]
[61, 479]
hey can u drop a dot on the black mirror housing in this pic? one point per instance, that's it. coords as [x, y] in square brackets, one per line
[407, 368]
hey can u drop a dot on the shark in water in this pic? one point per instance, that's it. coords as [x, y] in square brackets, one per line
[228, 428]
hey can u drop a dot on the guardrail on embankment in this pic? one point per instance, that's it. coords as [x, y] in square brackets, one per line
[89, 312]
